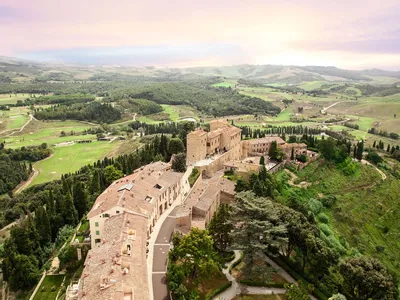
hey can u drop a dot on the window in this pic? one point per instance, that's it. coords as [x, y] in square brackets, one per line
[117, 212]
[96, 224]
[97, 232]
[97, 241]
[106, 215]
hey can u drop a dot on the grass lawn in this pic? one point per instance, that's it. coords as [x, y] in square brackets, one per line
[6, 99]
[16, 122]
[207, 286]
[71, 158]
[260, 297]
[147, 120]
[312, 85]
[38, 132]
[45, 290]
[170, 109]
[84, 226]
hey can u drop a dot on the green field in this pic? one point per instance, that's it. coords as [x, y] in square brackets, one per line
[171, 111]
[16, 122]
[6, 99]
[38, 132]
[71, 158]
[45, 290]
[312, 85]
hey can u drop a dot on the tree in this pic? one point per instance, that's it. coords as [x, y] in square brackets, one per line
[80, 198]
[255, 225]
[292, 154]
[43, 225]
[69, 212]
[374, 157]
[298, 291]
[196, 254]
[179, 162]
[240, 186]
[367, 278]
[262, 160]
[338, 297]
[328, 149]
[220, 228]
[360, 150]
[274, 153]
[374, 145]
[175, 146]
[111, 174]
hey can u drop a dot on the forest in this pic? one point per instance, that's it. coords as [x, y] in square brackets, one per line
[92, 112]
[13, 165]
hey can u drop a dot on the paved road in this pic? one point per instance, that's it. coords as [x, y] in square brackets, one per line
[160, 257]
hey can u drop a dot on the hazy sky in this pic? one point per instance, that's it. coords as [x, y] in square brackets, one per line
[346, 33]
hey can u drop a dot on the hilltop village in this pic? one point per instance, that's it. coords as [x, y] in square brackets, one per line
[127, 216]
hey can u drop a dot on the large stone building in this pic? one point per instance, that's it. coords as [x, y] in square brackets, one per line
[222, 138]
[147, 192]
[203, 200]
[259, 146]
[117, 269]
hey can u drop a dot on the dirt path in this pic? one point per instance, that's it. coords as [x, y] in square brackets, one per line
[31, 117]
[25, 184]
[293, 177]
[383, 175]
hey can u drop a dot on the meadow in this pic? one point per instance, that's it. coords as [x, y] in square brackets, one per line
[68, 159]
[49, 288]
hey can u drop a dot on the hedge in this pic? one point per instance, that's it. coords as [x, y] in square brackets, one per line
[236, 263]
[263, 284]
[218, 290]
[317, 293]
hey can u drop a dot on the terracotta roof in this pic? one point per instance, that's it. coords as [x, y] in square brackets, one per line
[135, 191]
[113, 272]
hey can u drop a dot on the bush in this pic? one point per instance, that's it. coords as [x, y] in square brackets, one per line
[236, 263]
[314, 206]
[325, 229]
[323, 218]
[193, 176]
[218, 290]
[329, 201]
[263, 284]
[374, 157]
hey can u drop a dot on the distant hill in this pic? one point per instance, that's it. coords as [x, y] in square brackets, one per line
[13, 70]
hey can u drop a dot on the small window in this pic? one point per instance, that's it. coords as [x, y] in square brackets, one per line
[106, 215]
[96, 224]
[117, 212]
[97, 232]
[97, 241]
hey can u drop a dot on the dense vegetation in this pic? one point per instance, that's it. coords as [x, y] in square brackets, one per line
[215, 102]
[92, 112]
[13, 165]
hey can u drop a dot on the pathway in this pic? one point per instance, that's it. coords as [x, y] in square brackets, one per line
[383, 175]
[25, 184]
[332, 105]
[293, 177]
[237, 288]
[31, 117]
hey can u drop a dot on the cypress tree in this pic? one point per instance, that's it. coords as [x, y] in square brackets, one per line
[292, 154]
[69, 212]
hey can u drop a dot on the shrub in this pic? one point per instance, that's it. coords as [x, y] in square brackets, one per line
[193, 176]
[325, 229]
[262, 284]
[374, 157]
[314, 206]
[380, 248]
[329, 201]
[218, 290]
[323, 218]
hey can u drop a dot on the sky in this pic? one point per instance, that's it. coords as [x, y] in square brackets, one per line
[352, 34]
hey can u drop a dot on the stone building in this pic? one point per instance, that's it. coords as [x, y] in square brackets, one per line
[147, 192]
